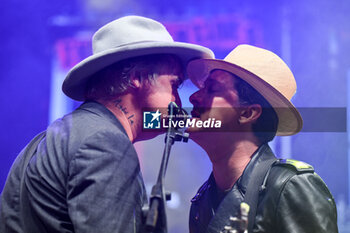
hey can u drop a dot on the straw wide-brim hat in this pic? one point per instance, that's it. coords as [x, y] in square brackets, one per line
[265, 72]
[127, 37]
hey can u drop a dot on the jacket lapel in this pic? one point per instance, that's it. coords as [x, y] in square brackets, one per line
[228, 207]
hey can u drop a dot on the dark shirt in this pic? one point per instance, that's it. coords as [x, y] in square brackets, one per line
[84, 177]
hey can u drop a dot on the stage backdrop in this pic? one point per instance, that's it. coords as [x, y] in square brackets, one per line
[42, 40]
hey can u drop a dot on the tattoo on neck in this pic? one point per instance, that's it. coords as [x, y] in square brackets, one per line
[118, 104]
[130, 119]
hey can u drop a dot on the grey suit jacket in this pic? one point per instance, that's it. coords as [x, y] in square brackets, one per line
[83, 177]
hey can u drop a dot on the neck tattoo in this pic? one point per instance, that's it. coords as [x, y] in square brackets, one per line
[119, 105]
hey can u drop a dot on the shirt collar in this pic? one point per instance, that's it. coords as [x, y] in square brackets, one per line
[101, 110]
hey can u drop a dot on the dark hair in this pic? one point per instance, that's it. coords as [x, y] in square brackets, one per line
[116, 78]
[265, 127]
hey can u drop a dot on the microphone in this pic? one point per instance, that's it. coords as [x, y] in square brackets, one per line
[179, 114]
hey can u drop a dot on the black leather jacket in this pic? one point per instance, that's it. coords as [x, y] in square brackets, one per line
[295, 201]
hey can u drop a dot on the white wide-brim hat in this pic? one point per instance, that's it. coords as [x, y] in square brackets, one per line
[127, 37]
[265, 72]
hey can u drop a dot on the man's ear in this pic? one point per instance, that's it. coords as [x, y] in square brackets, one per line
[135, 80]
[249, 114]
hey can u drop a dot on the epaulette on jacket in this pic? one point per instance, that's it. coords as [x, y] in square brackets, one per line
[201, 191]
[299, 166]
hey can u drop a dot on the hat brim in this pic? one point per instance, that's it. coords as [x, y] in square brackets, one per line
[290, 120]
[74, 84]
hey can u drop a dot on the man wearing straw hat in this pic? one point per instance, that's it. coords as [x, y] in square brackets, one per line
[250, 92]
[82, 174]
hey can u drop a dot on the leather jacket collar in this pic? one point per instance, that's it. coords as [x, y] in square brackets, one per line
[263, 153]
[202, 203]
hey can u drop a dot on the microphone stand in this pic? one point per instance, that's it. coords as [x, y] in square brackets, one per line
[155, 215]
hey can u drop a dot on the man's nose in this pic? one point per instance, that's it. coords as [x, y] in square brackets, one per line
[195, 97]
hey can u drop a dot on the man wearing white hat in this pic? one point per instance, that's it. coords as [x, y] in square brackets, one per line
[250, 92]
[82, 174]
